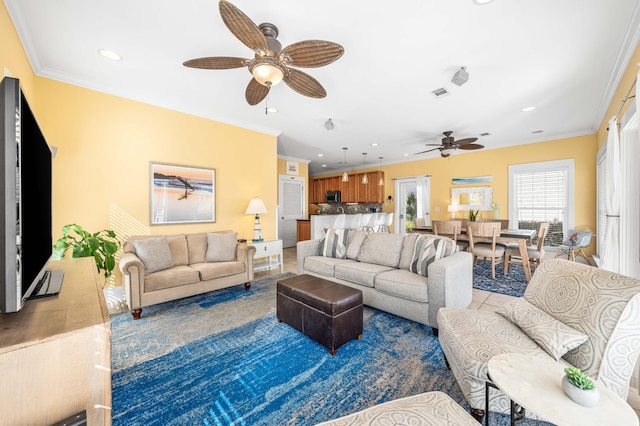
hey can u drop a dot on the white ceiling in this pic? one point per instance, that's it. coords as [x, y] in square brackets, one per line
[563, 57]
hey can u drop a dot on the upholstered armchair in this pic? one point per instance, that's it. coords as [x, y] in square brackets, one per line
[601, 305]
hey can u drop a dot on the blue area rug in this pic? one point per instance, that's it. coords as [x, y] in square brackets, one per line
[512, 284]
[223, 359]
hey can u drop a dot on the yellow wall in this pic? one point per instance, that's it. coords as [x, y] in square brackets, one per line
[105, 144]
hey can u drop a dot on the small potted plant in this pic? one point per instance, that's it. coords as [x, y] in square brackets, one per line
[102, 245]
[579, 387]
[473, 215]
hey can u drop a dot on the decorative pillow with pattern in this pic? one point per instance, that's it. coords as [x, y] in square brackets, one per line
[555, 337]
[154, 253]
[427, 250]
[334, 243]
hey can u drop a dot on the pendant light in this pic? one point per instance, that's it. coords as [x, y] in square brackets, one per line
[365, 178]
[345, 175]
[381, 180]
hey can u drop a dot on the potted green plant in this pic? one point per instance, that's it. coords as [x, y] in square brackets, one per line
[102, 245]
[579, 387]
[473, 215]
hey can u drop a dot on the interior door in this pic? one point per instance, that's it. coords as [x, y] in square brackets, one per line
[291, 208]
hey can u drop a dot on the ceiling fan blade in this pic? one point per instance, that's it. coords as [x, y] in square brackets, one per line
[255, 92]
[471, 146]
[311, 53]
[215, 63]
[304, 84]
[424, 152]
[242, 27]
[466, 141]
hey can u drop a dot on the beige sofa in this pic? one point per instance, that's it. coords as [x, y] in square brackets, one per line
[394, 272]
[578, 314]
[158, 269]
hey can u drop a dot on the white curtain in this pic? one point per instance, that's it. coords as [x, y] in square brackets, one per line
[611, 255]
[422, 182]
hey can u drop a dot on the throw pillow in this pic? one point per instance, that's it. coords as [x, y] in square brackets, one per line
[555, 337]
[334, 243]
[355, 238]
[381, 248]
[426, 251]
[154, 253]
[221, 247]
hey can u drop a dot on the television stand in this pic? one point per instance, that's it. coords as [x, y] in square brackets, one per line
[49, 284]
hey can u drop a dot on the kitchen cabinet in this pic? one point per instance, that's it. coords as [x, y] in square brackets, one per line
[319, 190]
[304, 229]
[353, 191]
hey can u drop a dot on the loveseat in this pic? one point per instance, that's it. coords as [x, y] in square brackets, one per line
[411, 275]
[158, 269]
[586, 317]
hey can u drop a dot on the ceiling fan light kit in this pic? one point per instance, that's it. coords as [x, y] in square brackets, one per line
[272, 63]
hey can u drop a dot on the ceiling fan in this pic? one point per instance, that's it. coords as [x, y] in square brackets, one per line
[271, 63]
[449, 145]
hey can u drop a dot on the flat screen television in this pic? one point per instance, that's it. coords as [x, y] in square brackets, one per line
[25, 203]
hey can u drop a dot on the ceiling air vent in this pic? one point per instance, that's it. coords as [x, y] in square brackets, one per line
[438, 93]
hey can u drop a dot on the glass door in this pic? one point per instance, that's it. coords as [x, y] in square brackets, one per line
[412, 202]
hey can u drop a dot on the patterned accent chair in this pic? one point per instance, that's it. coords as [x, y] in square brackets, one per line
[602, 305]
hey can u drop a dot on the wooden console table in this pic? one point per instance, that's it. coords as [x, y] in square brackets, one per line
[55, 354]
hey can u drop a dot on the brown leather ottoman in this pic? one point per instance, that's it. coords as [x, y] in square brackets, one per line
[329, 313]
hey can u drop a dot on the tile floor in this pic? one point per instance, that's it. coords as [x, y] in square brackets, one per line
[481, 300]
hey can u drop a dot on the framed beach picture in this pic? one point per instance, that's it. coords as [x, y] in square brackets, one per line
[182, 194]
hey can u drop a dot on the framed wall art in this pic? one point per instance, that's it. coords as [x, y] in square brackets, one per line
[472, 198]
[182, 194]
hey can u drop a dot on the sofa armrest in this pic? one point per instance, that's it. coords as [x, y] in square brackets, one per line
[244, 254]
[304, 249]
[450, 283]
[132, 270]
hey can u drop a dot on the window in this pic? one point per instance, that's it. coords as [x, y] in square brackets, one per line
[542, 192]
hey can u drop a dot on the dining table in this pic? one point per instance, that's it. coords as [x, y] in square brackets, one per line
[522, 237]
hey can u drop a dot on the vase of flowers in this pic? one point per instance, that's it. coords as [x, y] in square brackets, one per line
[579, 387]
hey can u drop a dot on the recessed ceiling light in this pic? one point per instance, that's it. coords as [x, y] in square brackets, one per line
[528, 109]
[405, 155]
[110, 54]
[324, 165]
[481, 2]
[272, 110]
[320, 155]
[374, 144]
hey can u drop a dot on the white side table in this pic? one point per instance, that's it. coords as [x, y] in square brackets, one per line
[270, 252]
[534, 383]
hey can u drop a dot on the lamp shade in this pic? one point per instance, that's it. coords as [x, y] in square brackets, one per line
[452, 208]
[256, 206]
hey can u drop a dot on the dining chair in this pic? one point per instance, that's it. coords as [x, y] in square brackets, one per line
[451, 229]
[419, 222]
[577, 239]
[535, 253]
[482, 243]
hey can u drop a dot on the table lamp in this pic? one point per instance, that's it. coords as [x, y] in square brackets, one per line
[257, 207]
[453, 209]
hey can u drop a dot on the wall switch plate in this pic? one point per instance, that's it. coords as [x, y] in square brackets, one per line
[437, 209]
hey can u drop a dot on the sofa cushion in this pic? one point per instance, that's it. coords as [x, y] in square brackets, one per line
[427, 250]
[359, 272]
[404, 284]
[553, 336]
[172, 277]
[354, 243]
[323, 265]
[212, 270]
[381, 248]
[334, 243]
[221, 247]
[179, 249]
[197, 244]
[406, 254]
[154, 253]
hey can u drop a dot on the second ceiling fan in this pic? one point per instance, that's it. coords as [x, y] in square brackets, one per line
[449, 145]
[271, 63]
